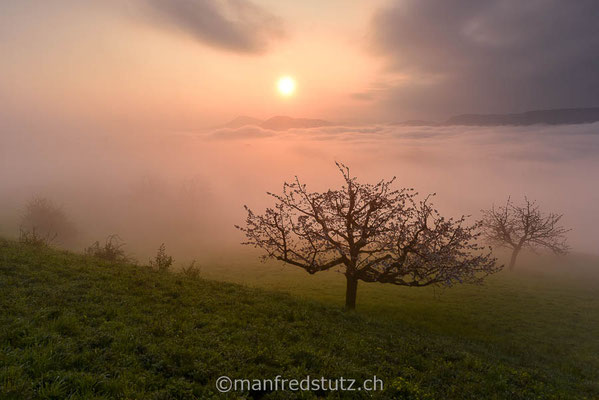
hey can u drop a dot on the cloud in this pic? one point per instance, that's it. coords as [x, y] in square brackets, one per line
[247, 132]
[539, 143]
[233, 25]
[488, 55]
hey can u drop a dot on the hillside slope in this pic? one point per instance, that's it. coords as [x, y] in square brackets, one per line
[73, 326]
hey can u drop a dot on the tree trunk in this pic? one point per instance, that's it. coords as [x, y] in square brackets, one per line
[513, 259]
[350, 292]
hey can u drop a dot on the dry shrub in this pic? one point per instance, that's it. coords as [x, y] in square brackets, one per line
[162, 261]
[111, 250]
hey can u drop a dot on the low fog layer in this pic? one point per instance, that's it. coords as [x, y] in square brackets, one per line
[188, 189]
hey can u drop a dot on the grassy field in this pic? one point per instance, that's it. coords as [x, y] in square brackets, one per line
[76, 327]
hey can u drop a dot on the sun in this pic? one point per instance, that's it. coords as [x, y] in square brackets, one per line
[286, 86]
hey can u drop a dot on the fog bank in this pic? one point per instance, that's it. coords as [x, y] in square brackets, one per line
[188, 189]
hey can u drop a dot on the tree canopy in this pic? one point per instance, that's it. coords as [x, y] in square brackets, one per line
[372, 232]
[518, 226]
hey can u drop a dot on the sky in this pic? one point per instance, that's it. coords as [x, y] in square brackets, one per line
[181, 65]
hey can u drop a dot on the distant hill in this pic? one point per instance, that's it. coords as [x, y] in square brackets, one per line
[563, 116]
[277, 123]
[242, 121]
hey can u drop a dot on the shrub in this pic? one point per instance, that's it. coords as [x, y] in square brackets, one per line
[42, 218]
[111, 250]
[162, 261]
[34, 238]
[191, 271]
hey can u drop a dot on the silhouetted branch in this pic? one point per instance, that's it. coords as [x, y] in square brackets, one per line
[373, 231]
[524, 226]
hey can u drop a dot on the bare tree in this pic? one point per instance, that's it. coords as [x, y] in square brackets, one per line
[524, 226]
[372, 233]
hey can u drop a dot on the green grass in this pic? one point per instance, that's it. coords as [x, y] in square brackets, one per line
[73, 326]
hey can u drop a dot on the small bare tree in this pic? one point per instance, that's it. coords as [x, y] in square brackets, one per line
[373, 233]
[162, 262]
[524, 226]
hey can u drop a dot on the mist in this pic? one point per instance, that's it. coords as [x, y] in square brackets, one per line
[188, 189]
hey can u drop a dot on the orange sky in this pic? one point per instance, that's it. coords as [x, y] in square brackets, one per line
[112, 65]
[177, 65]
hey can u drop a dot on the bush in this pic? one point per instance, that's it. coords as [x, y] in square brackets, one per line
[162, 261]
[44, 219]
[33, 238]
[191, 271]
[112, 250]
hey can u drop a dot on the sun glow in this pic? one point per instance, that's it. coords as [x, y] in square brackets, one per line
[286, 86]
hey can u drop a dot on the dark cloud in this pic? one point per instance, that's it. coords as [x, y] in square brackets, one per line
[234, 25]
[489, 55]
